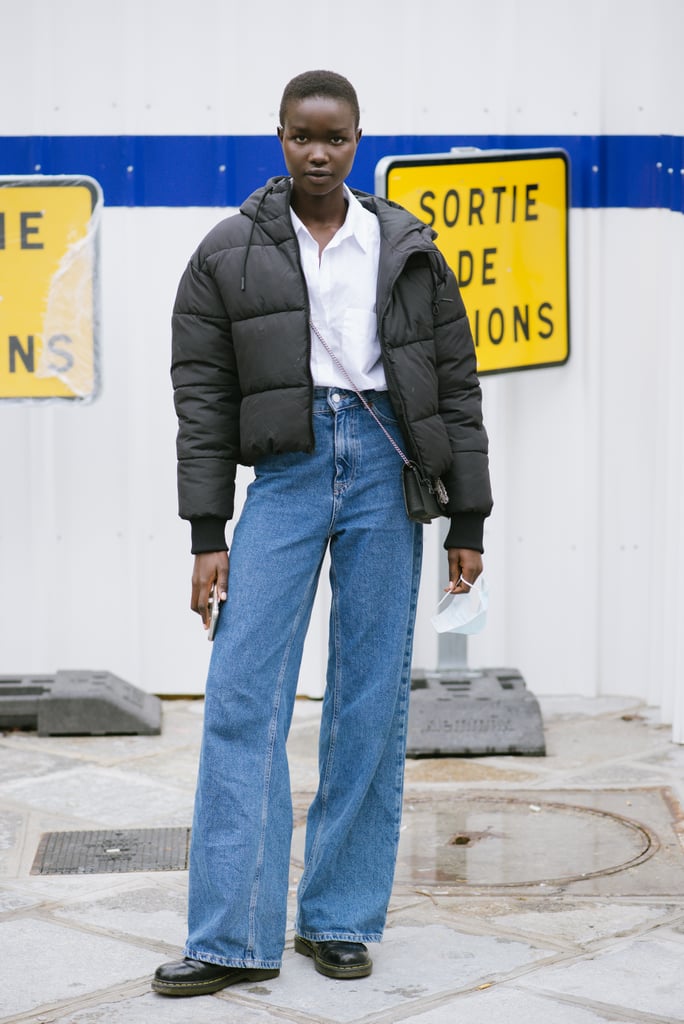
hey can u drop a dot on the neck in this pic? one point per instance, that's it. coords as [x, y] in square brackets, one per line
[320, 211]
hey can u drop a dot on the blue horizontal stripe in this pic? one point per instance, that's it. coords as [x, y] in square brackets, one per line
[636, 171]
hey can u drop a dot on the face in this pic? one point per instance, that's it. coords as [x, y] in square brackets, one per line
[319, 140]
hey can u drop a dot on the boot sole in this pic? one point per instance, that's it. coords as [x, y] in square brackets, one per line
[306, 948]
[205, 988]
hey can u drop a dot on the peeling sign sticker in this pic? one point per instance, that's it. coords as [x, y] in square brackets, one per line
[49, 287]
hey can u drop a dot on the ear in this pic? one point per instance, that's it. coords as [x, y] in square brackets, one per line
[359, 133]
[279, 130]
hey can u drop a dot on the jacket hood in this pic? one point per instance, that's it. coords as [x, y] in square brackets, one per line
[279, 187]
[404, 233]
[401, 229]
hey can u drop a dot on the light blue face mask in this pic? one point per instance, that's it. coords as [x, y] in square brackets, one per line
[465, 613]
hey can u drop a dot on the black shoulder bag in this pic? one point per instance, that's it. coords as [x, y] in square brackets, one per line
[425, 499]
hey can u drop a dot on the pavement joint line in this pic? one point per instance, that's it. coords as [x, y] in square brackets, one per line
[532, 898]
[532, 939]
[138, 941]
[626, 1014]
[465, 924]
[576, 776]
[466, 927]
[420, 1006]
[552, 780]
[546, 763]
[49, 1011]
[424, 1004]
[236, 997]
[419, 901]
[486, 983]
[666, 776]
[592, 946]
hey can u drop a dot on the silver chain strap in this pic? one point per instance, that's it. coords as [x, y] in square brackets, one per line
[358, 394]
[437, 487]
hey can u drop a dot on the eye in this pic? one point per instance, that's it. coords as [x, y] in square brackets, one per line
[299, 138]
[338, 140]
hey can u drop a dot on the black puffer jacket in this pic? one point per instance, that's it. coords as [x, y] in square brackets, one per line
[241, 368]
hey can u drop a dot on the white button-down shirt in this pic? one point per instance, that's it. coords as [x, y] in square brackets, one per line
[342, 287]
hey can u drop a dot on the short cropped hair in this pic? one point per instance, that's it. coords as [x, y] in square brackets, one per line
[320, 83]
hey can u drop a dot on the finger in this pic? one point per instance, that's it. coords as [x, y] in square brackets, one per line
[204, 604]
[222, 581]
[455, 574]
[454, 569]
[459, 586]
[470, 575]
[194, 595]
[465, 566]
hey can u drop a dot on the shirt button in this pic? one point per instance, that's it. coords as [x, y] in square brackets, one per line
[335, 398]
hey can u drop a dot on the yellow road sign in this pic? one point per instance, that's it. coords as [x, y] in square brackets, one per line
[48, 286]
[502, 224]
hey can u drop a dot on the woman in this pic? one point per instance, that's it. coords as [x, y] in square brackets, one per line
[308, 287]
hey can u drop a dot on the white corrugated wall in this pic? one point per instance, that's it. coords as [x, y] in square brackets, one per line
[585, 546]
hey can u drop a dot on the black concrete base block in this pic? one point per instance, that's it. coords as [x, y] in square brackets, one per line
[112, 851]
[78, 703]
[463, 713]
[19, 696]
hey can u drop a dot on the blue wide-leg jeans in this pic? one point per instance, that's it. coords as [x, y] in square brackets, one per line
[347, 496]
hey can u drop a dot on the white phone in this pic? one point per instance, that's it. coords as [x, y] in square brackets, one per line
[214, 608]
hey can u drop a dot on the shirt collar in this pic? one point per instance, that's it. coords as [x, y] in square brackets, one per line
[355, 225]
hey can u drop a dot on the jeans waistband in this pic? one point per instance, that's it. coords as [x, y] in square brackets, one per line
[343, 398]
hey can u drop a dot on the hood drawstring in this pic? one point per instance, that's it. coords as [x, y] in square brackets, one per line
[243, 277]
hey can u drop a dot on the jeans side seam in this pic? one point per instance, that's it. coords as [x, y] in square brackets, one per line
[326, 775]
[406, 688]
[273, 731]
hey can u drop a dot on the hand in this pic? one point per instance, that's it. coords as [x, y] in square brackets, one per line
[211, 567]
[464, 568]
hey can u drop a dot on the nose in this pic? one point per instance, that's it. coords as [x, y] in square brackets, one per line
[318, 153]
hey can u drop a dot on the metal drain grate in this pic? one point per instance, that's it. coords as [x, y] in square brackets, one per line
[106, 852]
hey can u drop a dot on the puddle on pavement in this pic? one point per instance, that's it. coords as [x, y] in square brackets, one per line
[603, 842]
[500, 841]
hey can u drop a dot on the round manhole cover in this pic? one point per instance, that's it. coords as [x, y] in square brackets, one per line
[490, 841]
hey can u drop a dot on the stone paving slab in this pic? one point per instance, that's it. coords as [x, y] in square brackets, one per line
[643, 975]
[153, 1009]
[105, 751]
[671, 758]
[468, 956]
[11, 901]
[506, 1005]
[47, 963]
[577, 744]
[562, 923]
[18, 763]
[411, 965]
[12, 825]
[181, 726]
[178, 767]
[67, 889]
[105, 797]
[460, 771]
[147, 912]
[568, 706]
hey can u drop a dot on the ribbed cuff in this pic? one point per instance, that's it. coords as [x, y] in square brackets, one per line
[466, 531]
[208, 534]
